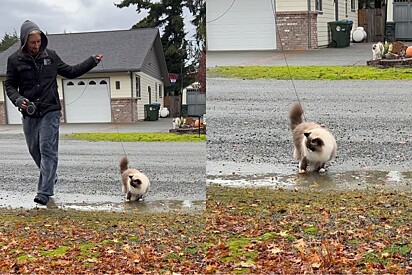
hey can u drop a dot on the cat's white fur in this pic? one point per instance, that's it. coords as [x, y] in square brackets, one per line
[314, 145]
[135, 184]
[377, 51]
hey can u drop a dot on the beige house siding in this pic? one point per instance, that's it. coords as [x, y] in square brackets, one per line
[124, 78]
[326, 15]
[147, 81]
[125, 85]
[125, 89]
[125, 106]
[292, 5]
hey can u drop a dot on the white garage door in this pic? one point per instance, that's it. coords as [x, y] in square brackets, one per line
[87, 100]
[13, 115]
[240, 25]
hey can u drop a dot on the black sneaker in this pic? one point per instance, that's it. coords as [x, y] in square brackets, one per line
[40, 200]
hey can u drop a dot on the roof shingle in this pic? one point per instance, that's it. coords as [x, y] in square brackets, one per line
[123, 50]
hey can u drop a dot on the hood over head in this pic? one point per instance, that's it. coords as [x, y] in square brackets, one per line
[26, 28]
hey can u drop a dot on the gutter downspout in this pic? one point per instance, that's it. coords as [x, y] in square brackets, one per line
[336, 10]
[309, 26]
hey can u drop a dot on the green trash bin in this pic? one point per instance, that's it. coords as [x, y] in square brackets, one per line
[339, 33]
[151, 111]
[390, 31]
[184, 110]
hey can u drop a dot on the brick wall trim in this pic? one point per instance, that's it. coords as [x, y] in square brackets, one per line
[292, 30]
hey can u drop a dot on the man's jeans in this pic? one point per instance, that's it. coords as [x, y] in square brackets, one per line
[42, 138]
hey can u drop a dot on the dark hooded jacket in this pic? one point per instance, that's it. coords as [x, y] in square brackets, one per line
[34, 77]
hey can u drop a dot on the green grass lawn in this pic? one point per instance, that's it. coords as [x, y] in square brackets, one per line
[311, 72]
[136, 137]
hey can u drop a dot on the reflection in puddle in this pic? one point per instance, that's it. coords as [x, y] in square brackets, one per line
[100, 203]
[395, 176]
[337, 181]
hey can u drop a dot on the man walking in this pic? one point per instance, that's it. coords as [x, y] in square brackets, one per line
[31, 84]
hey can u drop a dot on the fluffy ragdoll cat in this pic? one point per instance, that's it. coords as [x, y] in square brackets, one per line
[314, 144]
[135, 184]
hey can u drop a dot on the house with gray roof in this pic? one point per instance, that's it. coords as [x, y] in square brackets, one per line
[133, 73]
[237, 28]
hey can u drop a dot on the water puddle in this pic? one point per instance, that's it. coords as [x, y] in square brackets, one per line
[101, 203]
[336, 181]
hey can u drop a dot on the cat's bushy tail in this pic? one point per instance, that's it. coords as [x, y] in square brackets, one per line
[295, 115]
[123, 164]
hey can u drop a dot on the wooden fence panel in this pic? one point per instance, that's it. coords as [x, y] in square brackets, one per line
[373, 22]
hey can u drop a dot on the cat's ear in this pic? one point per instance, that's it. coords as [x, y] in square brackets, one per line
[306, 134]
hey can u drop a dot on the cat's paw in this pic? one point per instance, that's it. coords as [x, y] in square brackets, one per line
[301, 171]
[322, 170]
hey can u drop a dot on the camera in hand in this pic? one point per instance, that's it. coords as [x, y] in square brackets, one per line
[31, 108]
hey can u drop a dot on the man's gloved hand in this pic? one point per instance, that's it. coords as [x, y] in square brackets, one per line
[98, 58]
[21, 102]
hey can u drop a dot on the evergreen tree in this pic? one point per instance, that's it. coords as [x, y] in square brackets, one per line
[168, 16]
[8, 41]
[198, 9]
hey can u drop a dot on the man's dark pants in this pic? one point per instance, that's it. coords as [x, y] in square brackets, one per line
[42, 138]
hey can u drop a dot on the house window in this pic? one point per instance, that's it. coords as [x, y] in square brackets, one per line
[149, 90]
[346, 8]
[160, 91]
[352, 5]
[117, 83]
[155, 90]
[318, 5]
[138, 91]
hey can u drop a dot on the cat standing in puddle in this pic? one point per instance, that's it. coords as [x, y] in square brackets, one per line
[135, 184]
[314, 144]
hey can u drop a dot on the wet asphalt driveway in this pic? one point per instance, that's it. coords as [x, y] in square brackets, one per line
[89, 175]
[249, 140]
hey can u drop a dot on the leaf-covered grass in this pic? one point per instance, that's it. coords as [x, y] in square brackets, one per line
[268, 231]
[48, 241]
[311, 72]
[137, 137]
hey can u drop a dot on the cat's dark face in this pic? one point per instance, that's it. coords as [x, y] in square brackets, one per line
[134, 181]
[314, 144]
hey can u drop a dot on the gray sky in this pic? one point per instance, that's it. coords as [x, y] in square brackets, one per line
[58, 16]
